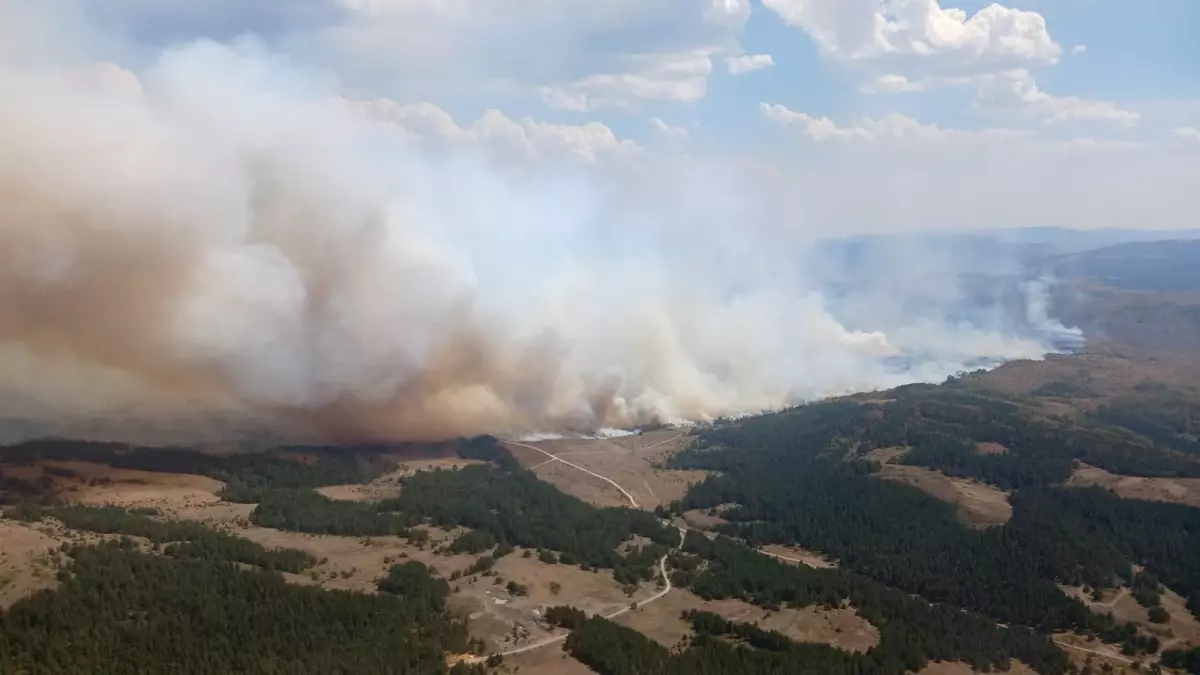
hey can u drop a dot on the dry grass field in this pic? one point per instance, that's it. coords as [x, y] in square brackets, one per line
[1176, 490]
[804, 556]
[549, 661]
[1182, 630]
[629, 460]
[1098, 374]
[955, 668]
[24, 561]
[979, 504]
[842, 628]
[28, 556]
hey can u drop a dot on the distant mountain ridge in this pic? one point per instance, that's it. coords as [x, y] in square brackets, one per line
[1168, 265]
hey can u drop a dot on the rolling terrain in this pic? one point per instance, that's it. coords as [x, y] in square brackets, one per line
[1037, 517]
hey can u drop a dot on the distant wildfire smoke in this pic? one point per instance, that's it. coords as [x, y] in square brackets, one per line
[222, 227]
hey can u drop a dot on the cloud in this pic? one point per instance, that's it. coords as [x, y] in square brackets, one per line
[668, 132]
[524, 140]
[428, 49]
[1016, 91]
[672, 78]
[920, 29]
[1191, 134]
[816, 128]
[889, 127]
[900, 131]
[1078, 49]
[617, 55]
[746, 63]
[893, 83]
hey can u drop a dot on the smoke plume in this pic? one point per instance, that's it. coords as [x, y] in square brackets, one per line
[223, 229]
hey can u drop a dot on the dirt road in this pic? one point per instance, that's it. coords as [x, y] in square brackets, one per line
[662, 562]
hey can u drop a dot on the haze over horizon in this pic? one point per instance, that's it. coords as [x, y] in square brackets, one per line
[282, 209]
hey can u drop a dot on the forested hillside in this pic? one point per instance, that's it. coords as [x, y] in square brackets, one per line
[802, 477]
[120, 610]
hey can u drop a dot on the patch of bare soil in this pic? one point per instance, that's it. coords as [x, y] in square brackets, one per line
[957, 668]
[990, 449]
[587, 488]
[1182, 630]
[889, 455]
[1119, 603]
[506, 620]
[551, 660]
[798, 556]
[979, 504]
[360, 492]
[842, 628]
[99, 484]
[357, 563]
[1176, 490]
[411, 466]
[28, 555]
[1083, 650]
[384, 487]
[702, 519]
[387, 486]
[631, 461]
[25, 561]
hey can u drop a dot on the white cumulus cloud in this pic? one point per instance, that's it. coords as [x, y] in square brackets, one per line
[872, 29]
[889, 127]
[641, 78]
[1016, 90]
[503, 138]
[893, 83]
[746, 63]
[675, 134]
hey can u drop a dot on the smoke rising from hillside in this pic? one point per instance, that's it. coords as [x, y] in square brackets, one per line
[222, 227]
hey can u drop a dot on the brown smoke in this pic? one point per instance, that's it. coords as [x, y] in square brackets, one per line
[219, 231]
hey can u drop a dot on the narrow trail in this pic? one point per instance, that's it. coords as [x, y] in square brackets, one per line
[1068, 645]
[632, 502]
[787, 558]
[662, 442]
[662, 570]
[649, 490]
[574, 453]
[662, 562]
[1124, 591]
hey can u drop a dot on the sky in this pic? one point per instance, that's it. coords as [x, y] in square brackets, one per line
[834, 116]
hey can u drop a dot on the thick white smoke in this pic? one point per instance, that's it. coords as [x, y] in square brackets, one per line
[223, 227]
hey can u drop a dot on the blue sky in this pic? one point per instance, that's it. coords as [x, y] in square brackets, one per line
[871, 114]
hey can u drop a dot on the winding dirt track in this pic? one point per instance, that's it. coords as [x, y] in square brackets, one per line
[556, 458]
[662, 562]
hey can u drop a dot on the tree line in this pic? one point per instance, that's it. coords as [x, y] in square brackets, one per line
[795, 478]
[183, 538]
